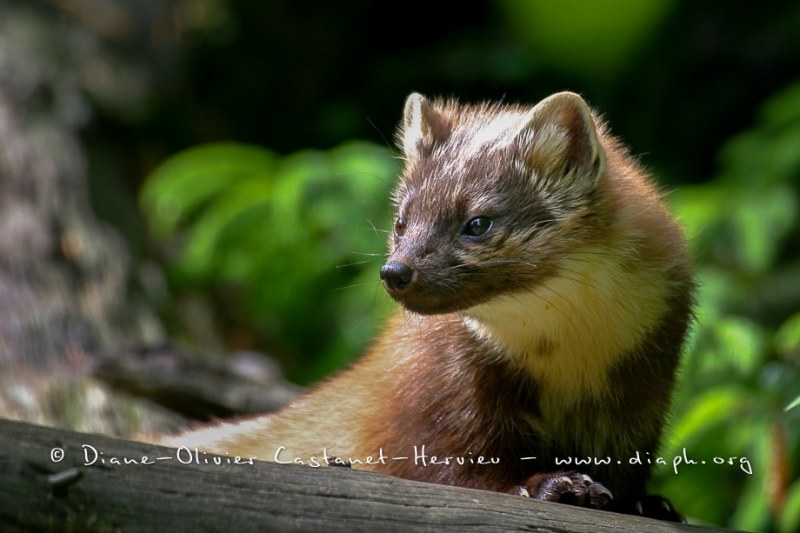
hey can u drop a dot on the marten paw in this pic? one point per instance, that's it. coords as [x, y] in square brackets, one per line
[566, 487]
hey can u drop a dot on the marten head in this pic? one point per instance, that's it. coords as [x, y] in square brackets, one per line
[491, 198]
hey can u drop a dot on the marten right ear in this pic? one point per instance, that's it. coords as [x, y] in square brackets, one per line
[422, 126]
[559, 142]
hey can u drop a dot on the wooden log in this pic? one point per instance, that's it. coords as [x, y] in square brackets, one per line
[57, 480]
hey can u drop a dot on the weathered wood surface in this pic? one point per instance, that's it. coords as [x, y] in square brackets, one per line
[40, 489]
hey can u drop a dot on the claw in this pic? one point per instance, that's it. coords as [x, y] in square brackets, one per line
[599, 496]
[604, 491]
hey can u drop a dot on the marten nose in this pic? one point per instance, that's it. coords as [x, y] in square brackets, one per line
[396, 275]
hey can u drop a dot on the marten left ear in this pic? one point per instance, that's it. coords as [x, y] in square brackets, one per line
[422, 126]
[560, 142]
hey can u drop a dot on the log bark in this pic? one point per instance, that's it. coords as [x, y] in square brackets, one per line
[56, 480]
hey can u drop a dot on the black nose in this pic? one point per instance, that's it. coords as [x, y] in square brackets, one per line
[396, 275]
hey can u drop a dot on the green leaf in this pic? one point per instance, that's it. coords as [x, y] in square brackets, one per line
[738, 224]
[585, 38]
[787, 338]
[700, 209]
[717, 289]
[789, 518]
[728, 345]
[762, 221]
[767, 154]
[793, 404]
[203, 255]
[708, 410]
[752, 512]
[183, 184]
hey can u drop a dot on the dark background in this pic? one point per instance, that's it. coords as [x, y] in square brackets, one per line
[290, 75]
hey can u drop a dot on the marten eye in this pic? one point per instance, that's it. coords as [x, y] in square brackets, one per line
[400, 227]
[478, 226]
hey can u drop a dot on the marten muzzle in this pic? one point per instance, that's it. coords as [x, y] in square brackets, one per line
[397, 276]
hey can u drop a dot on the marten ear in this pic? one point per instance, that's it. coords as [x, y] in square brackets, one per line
[560, 141]
[422, 126]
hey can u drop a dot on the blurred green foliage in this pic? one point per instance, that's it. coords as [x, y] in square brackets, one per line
[593, 40]
[293, 241]
[741, 376]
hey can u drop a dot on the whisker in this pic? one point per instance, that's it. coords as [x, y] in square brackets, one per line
[354, 263]
[375, 306]
[353, 286]
[389, 145]
[375, 228]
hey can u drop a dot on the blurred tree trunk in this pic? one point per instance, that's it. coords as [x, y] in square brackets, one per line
[64, 276]
[69, 311]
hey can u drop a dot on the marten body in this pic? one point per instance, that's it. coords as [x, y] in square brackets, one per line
[546, 294]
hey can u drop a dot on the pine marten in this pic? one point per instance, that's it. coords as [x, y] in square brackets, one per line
[545, 294]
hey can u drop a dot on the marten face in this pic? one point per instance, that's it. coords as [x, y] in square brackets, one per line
[490, 200]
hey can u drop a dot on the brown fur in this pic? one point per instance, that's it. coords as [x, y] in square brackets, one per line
[555, 334]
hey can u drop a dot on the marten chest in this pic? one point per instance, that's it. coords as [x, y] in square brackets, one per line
[491, 434]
